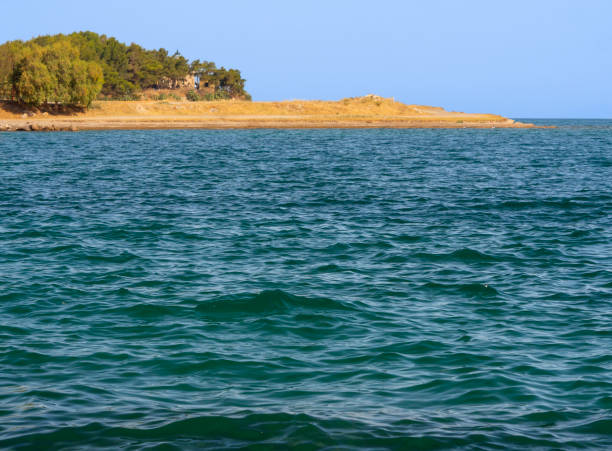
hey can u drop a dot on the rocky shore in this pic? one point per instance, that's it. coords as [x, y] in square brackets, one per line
[36, 127]
[239, 123]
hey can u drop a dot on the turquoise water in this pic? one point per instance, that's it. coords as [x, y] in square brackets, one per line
[338, 289]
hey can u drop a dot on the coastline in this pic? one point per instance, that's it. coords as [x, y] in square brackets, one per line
[362, 112]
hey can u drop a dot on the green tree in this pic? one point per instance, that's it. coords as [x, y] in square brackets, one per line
[10, 53]
[54, 73]
[86, 82]
[126, 69]
[59, 59]
[31, 79]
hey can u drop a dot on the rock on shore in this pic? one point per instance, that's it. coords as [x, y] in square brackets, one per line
[36, 127]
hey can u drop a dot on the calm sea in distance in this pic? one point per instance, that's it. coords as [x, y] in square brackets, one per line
[310, 289]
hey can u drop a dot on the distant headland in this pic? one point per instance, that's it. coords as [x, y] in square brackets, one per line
[87, 81]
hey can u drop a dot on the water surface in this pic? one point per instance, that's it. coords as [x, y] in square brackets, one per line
[339, 289]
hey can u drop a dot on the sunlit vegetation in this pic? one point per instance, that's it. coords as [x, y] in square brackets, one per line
[77, 68]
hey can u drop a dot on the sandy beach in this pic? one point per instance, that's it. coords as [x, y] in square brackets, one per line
[360, 112]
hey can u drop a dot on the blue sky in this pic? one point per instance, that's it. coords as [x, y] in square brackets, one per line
[536, 58]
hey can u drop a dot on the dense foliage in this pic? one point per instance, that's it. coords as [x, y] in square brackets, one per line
[76, 68]
[35, 74]
[225, 83]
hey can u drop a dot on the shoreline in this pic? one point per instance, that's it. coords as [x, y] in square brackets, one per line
[237, 123]
[355, 113]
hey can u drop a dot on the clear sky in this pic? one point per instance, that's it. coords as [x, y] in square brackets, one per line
[520, 58]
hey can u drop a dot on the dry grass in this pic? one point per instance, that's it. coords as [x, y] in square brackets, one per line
[367, 111]
[350, 108]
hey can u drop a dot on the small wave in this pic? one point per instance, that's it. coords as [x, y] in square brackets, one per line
[59, 249]
[396, 259]
[32, 233]
[548, 417]
[580, 233]
[603, 427]
[268, 431]
[467, 254]
[187, 236]
[568, 203]
[12, 296]
[24, 358]
[328, 268]
[268, 301]
[360, 245]
[282, 431]
[462, 255]
[380, 244]
[468, 289]
[144, 311]
[10, 331]
[408, 238]
[373, 357]
[150, 283]
[335, 248]
[419, 347]
[123, 257]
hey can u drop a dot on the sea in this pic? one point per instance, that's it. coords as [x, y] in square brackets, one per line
[333, 289]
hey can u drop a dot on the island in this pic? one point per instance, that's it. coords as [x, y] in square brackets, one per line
[87, 81]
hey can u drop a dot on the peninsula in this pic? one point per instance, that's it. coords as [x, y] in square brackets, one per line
[361, 112]
[87, 81]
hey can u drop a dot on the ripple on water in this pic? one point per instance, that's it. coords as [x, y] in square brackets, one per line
[315, 289]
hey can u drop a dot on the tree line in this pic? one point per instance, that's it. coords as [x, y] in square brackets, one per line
[38, 75]
[77, 68]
